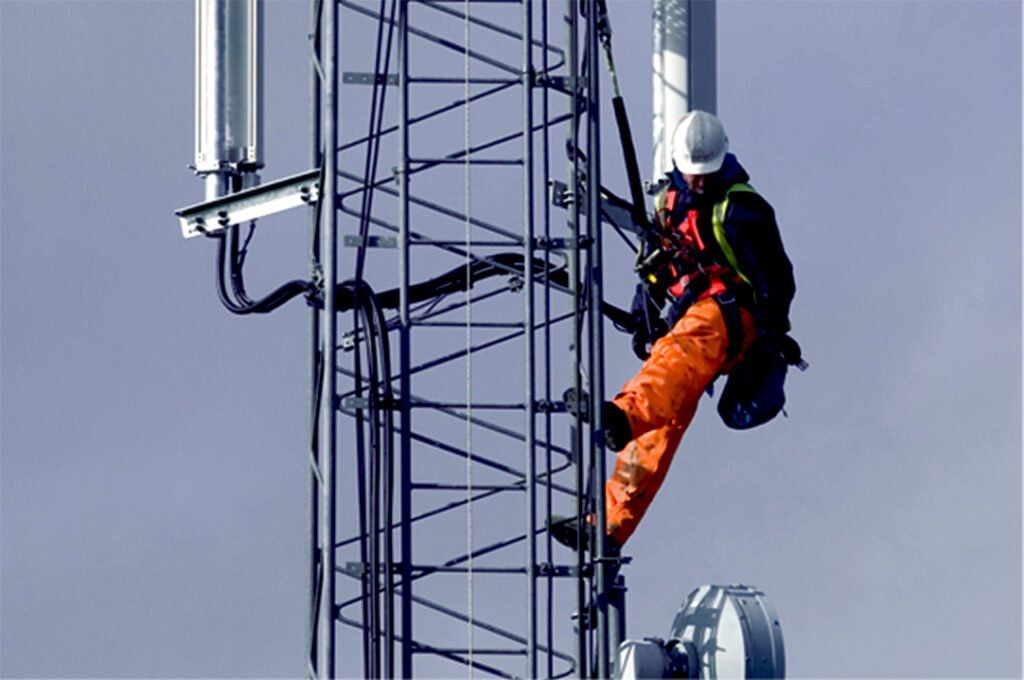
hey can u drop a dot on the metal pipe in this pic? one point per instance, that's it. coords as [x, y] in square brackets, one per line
[595, 319]
[405, 354]
[617, 620]
[529, 361]
[684, 68]
[548, 496]
[576, 444]
[329, 255]
[373, 525]
[229, 93]
[314, 369]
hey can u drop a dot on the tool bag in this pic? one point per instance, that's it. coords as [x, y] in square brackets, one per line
[754, 391]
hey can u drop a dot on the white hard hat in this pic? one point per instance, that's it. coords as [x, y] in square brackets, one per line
[699, 143]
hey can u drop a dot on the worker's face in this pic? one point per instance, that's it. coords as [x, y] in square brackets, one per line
[695, 182]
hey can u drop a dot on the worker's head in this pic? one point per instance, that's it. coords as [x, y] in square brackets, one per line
[699, 146]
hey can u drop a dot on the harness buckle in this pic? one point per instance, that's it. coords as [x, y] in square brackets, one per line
[726, 298]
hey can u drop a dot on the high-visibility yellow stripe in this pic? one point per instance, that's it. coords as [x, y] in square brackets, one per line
[718, 227]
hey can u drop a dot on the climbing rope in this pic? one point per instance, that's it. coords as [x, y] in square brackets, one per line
[469, 356]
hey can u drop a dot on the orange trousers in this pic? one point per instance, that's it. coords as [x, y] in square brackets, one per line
[660, 402]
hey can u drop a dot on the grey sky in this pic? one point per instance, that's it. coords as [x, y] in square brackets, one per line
[152, 468]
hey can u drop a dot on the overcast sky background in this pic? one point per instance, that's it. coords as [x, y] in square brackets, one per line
[152, 461]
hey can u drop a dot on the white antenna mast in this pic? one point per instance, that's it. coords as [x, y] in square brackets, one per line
[684, 69]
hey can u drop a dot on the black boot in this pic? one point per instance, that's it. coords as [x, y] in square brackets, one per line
[566, 530]
[617, 430]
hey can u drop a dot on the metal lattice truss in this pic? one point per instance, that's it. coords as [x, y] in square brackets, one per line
[458, 221]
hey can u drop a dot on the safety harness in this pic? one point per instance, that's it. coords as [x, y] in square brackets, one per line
[683, 267]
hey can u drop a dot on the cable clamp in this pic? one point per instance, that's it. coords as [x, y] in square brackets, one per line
[560, 194]
[566, 84]
[577, 403]
[315, 296]
[357, 241]
[586, 571]
[366, 78]
[558, 570]
[546, 406]
[354, 403]
[357, 568]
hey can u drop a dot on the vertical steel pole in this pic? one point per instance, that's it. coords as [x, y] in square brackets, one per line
[405, 336]
[549, 494]
[530, 430]
[596, 324]
[572, 50]
[329, 328]
[313, 500]
[616, 618]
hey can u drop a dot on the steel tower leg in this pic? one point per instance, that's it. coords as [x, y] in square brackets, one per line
[315, 369]
[529, 344]
[579, 439]
[405, 351]
[325, 467]
[595, 331]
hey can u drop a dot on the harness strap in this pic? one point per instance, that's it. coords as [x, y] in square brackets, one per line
[709, 281]
[730, 307]
[718, 228]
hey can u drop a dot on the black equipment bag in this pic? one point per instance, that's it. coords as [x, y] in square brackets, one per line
[754, 393]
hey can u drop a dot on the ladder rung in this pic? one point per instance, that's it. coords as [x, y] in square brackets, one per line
[474, 324]
[475, 406]
[463, 81]
[475, 651]
[472, 244]
[469, 161]
[478, 570]
[423, 486]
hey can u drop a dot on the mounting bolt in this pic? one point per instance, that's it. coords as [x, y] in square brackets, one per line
[356, 568]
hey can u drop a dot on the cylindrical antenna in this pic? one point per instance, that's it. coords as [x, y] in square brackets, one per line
[229, 94]
[684, 68]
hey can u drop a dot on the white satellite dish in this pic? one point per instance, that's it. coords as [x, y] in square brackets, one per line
[719, 632]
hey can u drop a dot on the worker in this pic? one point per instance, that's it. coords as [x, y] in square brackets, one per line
[716, 270]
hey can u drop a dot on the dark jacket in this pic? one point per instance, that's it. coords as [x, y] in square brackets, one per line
[752, 233]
